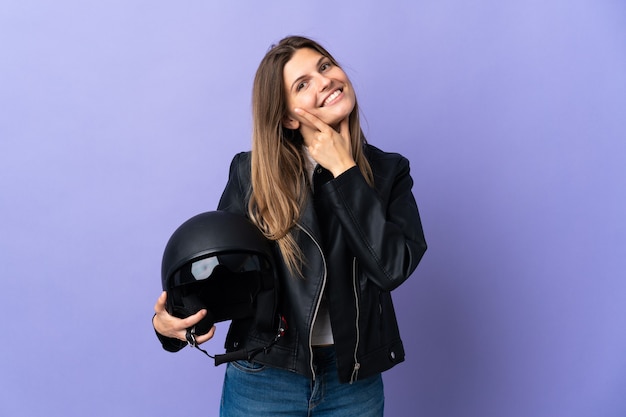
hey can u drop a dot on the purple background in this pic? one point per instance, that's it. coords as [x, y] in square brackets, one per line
[118, 121]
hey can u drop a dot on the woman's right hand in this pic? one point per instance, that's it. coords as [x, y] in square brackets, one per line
[174, 327]
[330, 147]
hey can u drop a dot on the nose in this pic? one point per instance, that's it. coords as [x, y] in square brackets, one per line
[324, 82]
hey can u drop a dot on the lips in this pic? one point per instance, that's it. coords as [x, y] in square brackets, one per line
[332, 97]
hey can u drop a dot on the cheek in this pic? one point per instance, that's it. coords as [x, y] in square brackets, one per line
[306, 101]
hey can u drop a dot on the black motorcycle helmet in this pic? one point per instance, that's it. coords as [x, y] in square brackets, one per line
[220, 261]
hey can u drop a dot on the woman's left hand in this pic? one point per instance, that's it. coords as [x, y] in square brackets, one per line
[330, 148]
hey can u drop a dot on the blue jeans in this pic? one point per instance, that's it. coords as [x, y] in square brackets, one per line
[252, 389]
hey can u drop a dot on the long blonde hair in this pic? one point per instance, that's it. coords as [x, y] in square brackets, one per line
[279, 184]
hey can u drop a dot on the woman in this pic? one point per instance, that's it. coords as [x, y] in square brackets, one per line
[346, 229]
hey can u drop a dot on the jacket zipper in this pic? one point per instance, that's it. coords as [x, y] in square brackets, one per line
[319, 300]
[357, 365]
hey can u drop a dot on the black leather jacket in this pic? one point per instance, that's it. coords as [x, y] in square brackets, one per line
[359, 243]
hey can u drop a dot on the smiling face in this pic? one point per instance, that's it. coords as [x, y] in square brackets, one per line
[314, 83]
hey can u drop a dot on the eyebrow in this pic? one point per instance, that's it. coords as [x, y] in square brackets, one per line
[319, 62]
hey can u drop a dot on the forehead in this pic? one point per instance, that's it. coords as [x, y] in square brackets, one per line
[302, 62]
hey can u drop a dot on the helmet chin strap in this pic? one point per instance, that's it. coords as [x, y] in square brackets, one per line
[241, 354]
[191, 340]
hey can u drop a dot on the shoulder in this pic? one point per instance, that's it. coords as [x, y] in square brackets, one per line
[242, 158]
[381, 160]
[240, 164]
[238, 185]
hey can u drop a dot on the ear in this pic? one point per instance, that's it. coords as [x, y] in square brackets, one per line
[291, 123]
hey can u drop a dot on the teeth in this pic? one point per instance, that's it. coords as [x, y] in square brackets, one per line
[332, 97]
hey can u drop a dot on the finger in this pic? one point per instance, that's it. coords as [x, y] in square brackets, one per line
[204, 337]
[312, 119]
[159, 307]
[310, 134]
[194, 318]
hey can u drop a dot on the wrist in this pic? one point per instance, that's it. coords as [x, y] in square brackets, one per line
[338, 171]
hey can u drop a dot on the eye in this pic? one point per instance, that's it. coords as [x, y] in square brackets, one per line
[301, 85]
[326, 65]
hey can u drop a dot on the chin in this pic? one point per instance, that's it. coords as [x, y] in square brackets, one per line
[336, 117]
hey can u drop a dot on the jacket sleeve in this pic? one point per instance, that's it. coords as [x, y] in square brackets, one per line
[382, 225]
[235, 194]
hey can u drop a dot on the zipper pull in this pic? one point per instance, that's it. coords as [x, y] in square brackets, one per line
[355, 372]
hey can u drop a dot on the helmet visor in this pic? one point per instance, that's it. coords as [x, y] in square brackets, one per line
[220, 265]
